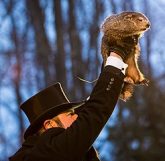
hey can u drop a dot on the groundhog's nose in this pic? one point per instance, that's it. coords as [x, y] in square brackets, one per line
[148, 25]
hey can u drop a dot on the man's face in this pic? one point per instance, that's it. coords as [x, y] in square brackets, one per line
[63, 120]
[67, 118]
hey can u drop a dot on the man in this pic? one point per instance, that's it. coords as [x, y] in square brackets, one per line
[64, 131]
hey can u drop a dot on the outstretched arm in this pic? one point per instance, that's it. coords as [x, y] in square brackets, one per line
[75, 141]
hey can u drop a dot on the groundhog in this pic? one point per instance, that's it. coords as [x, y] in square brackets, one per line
[121, 34]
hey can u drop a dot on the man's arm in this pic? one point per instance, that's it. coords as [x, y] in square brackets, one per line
[75, 141]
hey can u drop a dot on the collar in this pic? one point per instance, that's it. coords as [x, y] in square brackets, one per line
[32, 140]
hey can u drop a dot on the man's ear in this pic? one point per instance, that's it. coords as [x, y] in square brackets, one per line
[47, 124]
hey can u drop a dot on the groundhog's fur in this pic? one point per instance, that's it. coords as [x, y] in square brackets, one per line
[122, 31]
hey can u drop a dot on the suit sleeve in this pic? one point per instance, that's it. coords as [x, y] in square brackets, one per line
[75, 141]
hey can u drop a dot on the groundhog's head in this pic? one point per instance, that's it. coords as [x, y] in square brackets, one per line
[126, 24]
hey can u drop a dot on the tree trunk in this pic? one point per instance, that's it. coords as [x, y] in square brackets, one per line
[78, 68]
[60, 57]
[42, 47]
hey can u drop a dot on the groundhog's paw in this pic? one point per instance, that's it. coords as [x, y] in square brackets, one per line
[129, 80]
[144, 82]
[125, 95]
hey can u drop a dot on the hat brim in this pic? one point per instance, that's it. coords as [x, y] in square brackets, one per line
[52, 112]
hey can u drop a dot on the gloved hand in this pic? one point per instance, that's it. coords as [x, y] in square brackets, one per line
[123, 47]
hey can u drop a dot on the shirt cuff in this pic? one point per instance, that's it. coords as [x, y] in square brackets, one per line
[116, 62]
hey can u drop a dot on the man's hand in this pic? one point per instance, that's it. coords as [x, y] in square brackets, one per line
[107, 48]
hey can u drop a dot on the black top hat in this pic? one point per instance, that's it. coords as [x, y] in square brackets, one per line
[44, 105]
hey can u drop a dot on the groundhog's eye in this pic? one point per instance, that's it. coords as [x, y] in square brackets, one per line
[140, 18]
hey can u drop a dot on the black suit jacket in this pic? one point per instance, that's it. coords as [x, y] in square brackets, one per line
[75, 143]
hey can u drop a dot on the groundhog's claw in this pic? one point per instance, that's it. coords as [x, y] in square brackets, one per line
[145, 82]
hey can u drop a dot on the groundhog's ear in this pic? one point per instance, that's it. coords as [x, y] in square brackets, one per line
[128, 17]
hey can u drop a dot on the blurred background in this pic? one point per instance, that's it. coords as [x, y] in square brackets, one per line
[45, 41]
